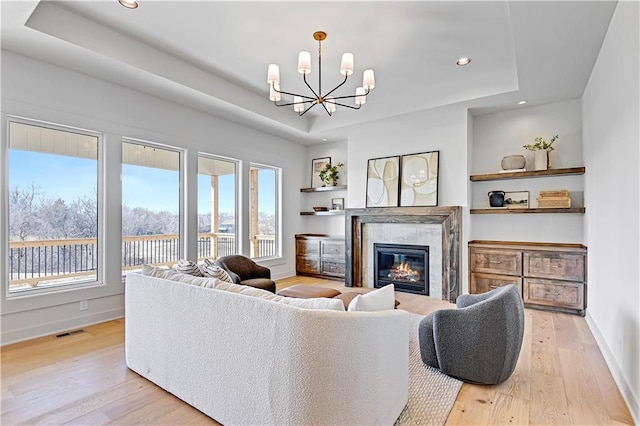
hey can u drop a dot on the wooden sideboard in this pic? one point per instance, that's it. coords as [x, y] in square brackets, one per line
[320, 255]
[550, 276]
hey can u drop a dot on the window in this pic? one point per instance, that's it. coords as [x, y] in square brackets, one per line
[264, 199]
[54, 188]
[150, 205]
[217, 224]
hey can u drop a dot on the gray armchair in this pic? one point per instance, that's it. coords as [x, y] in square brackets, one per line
[480, 341]
[245, 271]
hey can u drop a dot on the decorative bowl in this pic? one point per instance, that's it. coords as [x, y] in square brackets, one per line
[320, 209]
[513, 162]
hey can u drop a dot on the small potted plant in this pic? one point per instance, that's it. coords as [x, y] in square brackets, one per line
[541, 149]
[329, 174]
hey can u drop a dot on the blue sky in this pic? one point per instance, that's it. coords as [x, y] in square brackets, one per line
[69, 178]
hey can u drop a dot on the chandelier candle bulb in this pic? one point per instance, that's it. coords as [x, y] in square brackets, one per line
[368, 80]
[273, 74]
[274, 96]
[346, 67]
[331, 104]
[298, 106]
[304, 62]
[361, 99]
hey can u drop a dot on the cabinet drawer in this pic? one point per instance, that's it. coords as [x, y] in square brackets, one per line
[332, 249]
[554, 293]
[505, 262]
[558, 266]
[335, 269]
[305, 247]
[481, 283]
[306, 265]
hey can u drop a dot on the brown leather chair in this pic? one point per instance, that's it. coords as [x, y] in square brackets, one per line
[245, 271]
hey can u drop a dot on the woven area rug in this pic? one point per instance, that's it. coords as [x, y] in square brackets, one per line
[431, 393]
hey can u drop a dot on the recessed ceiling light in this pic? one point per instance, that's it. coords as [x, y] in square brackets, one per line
[463, 61]
[129, 4]
[324, 139]
[522, 102]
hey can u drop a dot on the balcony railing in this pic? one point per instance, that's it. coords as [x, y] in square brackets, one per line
[33, 263]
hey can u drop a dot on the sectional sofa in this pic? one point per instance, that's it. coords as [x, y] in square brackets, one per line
[243, 359]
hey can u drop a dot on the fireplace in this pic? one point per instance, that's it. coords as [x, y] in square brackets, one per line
[405, 266]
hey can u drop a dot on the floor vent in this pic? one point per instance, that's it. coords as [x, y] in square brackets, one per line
[70, 333]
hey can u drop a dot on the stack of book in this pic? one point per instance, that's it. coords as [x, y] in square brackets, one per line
[554, 199]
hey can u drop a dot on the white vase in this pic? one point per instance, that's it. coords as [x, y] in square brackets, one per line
[541, 160]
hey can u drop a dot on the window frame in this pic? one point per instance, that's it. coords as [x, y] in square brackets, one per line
[277, 213]
[182, 158]
[99, 280]
[236, 202]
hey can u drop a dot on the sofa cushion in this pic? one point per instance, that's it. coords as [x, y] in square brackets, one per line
[185, 266]
[320, 303]
[190, 279]
[246, 290]
[210, 269]
[377, 300]
[315, 303]
[154, 271]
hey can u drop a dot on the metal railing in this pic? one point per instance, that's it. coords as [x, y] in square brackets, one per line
[48, 261]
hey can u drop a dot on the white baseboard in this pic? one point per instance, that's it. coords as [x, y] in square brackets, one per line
[56, 327]
[616, 371]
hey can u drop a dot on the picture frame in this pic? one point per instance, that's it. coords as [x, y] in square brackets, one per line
[419, 179]
[337, 204]
[317, 164]
[382, 182]
[516, 199]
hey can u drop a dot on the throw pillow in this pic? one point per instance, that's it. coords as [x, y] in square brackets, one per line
[377, 300]
[188, 267]
[211, 269]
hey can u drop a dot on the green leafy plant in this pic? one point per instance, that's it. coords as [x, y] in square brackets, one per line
[330, 173]
[540, 144]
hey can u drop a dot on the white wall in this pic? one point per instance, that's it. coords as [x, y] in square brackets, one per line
[443, 129]
[333, 225]
[41, 91]
[611, 132]
[500, 134]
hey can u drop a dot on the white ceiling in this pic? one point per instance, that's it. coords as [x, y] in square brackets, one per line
[213, 55]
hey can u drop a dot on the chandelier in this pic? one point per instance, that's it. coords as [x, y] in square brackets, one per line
[303, 103]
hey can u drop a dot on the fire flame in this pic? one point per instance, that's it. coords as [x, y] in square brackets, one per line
[404, 271]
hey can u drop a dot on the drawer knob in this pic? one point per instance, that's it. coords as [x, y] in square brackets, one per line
[493, 286]
[552, 293]
[494, 261]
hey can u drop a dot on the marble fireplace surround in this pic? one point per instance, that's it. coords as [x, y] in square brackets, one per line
[447, 217]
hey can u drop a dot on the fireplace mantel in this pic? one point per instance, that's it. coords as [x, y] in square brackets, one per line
[448, 217]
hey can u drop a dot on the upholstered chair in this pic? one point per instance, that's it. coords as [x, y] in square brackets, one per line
[245, 271]
[480, 341]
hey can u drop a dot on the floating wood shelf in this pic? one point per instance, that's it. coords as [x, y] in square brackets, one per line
[327, 213]
[526, 211]
[528, 174]
[324, 188]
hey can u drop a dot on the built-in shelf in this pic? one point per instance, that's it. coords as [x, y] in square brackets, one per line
[529, 174]
[324, 188]
[327, 213]
[526, 211]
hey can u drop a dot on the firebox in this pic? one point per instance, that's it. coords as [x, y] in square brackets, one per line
[405, 266]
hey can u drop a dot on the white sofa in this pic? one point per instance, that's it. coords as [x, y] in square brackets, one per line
[246, 360]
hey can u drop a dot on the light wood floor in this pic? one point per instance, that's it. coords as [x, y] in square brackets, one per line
[561, 378]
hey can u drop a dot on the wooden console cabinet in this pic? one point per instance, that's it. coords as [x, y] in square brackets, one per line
[550, 276]
[320, 255]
